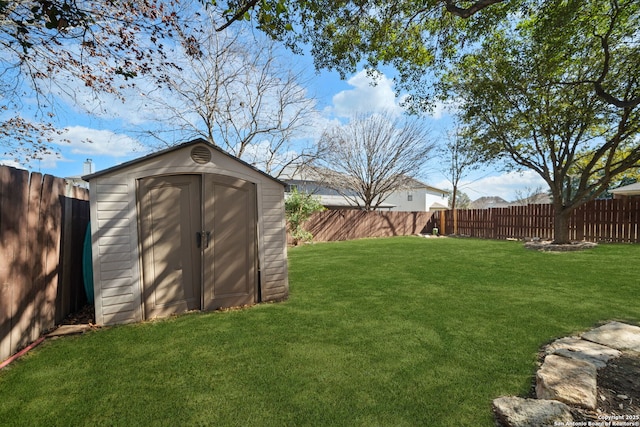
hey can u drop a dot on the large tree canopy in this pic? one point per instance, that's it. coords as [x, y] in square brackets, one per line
[527, 95]
[346, 34]
[419, 38]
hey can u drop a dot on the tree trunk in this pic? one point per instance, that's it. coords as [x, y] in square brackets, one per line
[561, 226]
[453, 208]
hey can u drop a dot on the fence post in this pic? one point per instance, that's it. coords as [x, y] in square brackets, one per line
[579, 222]
[443, 224]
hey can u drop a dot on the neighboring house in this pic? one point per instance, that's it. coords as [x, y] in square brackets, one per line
[632, 190]
[488, 203]
[87, 169]
[308, 182]
[417, 197]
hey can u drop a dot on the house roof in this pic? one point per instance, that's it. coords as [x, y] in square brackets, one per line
[302, 173]
[438, 207]
[628, 190]
[489, 202]
[343, 202]
[414, 183]
[175, 148]
[313, 173]
[536, 199]
[337, 201]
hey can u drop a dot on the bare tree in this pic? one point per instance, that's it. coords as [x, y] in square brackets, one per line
[530, 196]
[372, 156]
[462, 202]
[234, 90]
[460, 156]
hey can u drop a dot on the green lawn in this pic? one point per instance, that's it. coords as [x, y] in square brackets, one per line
[385, 332]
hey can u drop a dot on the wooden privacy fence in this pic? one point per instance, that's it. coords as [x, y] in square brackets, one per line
[343, 224]
[42, 226]
[613, 220]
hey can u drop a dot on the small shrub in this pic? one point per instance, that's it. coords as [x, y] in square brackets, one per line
[298, 209]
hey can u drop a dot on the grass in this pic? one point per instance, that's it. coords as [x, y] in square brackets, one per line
[384, 332]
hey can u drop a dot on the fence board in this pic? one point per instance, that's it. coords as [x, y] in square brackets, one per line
[613, 220]
[22, 288]
[32, 248]
[334, 225]
[6, 305]
[35, 211]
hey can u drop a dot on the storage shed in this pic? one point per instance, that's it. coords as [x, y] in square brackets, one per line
[187, 228]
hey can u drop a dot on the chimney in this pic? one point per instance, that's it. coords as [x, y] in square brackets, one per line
[88, 167]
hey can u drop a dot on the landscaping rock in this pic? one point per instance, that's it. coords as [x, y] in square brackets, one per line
[617, 335]
[549, 246]
[580, 349]
[568, 374]
[568, 380]
[518, 412]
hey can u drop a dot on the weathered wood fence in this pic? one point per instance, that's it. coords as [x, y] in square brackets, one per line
[334, 225]
[596, 221]
[42, 226]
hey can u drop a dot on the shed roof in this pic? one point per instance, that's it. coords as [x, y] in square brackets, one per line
[175, 148]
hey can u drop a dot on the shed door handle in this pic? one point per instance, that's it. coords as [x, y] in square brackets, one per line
[203, 238]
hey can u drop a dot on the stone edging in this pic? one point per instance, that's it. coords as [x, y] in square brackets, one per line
[568, 376]
[549, 246]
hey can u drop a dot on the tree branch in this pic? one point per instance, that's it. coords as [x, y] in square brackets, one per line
[597, 85]
[238, 15]
[469, 11]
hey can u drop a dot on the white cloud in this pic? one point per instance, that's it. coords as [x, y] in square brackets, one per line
[441, 109]
[509, 185]
[368, 95]
[374, 94]
[506, 185]
[83, 140]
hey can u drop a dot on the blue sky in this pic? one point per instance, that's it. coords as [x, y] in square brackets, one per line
[113, 130]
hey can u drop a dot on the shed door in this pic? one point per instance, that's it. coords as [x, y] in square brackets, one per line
[197, 255]
[230, 272]
[170, 211]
